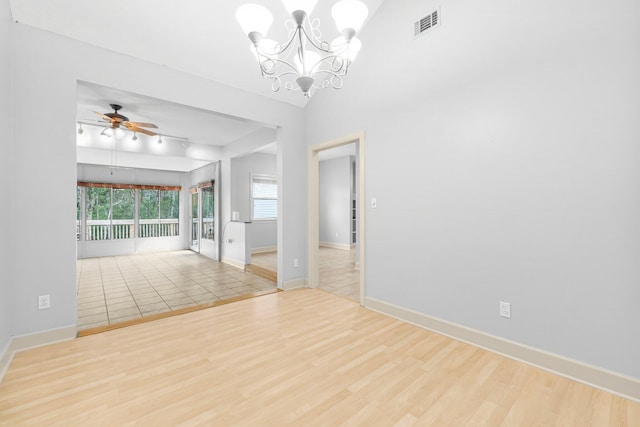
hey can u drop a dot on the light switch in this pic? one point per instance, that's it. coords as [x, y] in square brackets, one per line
[374, 203]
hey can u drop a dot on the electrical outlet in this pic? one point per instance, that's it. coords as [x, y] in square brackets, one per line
[44, 302]
[505, 309]
[296, 264]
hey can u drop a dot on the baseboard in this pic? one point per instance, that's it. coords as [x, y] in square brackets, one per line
[39, 339]
[341, 246]
[264, 250]
[294, 284]
[613, 382]
[233, 262]
[5, 360]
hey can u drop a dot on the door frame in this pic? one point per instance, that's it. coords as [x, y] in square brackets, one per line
[314, 207]
[197, 194]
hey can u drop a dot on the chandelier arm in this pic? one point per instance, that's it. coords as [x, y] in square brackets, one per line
[283, 48]
[313, 42]
[275, 62]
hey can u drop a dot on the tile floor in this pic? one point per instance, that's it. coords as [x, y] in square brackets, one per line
[337, 272]
[115, 289]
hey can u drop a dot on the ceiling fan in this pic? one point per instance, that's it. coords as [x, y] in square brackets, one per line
[116, 120]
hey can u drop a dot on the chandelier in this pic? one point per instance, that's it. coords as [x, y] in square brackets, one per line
[304, 61]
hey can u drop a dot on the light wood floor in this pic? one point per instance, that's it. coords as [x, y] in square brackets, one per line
[297, 358]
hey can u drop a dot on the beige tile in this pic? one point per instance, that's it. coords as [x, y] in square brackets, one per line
[124, 318]
[92, 311]
[115, 314]
[123, 306]
[85, 320]
[179, 302]
[146, 308]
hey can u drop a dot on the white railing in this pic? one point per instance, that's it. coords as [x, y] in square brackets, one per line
[125, 229]
[153, 228]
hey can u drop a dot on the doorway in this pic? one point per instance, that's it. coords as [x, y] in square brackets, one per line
[195, 220]
[314, 209]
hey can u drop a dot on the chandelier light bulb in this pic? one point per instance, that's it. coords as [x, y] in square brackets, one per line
[254, 18]
[119, 133]
[268, 49]
[349, 14]
[346, 50]
[134, 137]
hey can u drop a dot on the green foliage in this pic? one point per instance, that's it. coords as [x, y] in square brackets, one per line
[148, 205]
[98, 201]
[169, 204]
[207, 202]
[123, 204]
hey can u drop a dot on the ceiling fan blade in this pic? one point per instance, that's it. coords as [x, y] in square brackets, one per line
[107, 118]
[140, 130]
[144, 125]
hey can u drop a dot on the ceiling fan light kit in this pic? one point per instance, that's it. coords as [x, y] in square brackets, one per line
[116, 121]
[305, 61]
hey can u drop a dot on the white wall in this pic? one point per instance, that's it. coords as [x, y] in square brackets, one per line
[503, 152]
[104, 174]
[47, 70]
[6, 165]
[335, 201]
[262, 233]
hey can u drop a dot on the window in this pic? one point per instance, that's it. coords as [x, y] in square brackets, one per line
[264, 196]
[159, 212]
[207, 213]
[123, 213]
[110, 211]
[98, 213]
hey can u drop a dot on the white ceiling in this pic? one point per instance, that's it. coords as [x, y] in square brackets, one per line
[201, 134]
[197, 125]
[198, 37]
[194, 36]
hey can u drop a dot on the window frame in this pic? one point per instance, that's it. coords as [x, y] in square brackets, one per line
[264, 177]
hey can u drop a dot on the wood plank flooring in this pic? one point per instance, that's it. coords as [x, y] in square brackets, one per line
[297, 358]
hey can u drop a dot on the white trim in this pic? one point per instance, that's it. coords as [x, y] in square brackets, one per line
[341, 246]
[294, 284]
[612, 382]
[233, 262]
[264, 249]
[314, 202]
[39, 339]
[5, 360]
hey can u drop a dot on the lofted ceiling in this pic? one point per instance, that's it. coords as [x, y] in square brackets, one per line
[198, 37]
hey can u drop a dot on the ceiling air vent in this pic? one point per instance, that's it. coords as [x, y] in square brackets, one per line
[427, 23]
